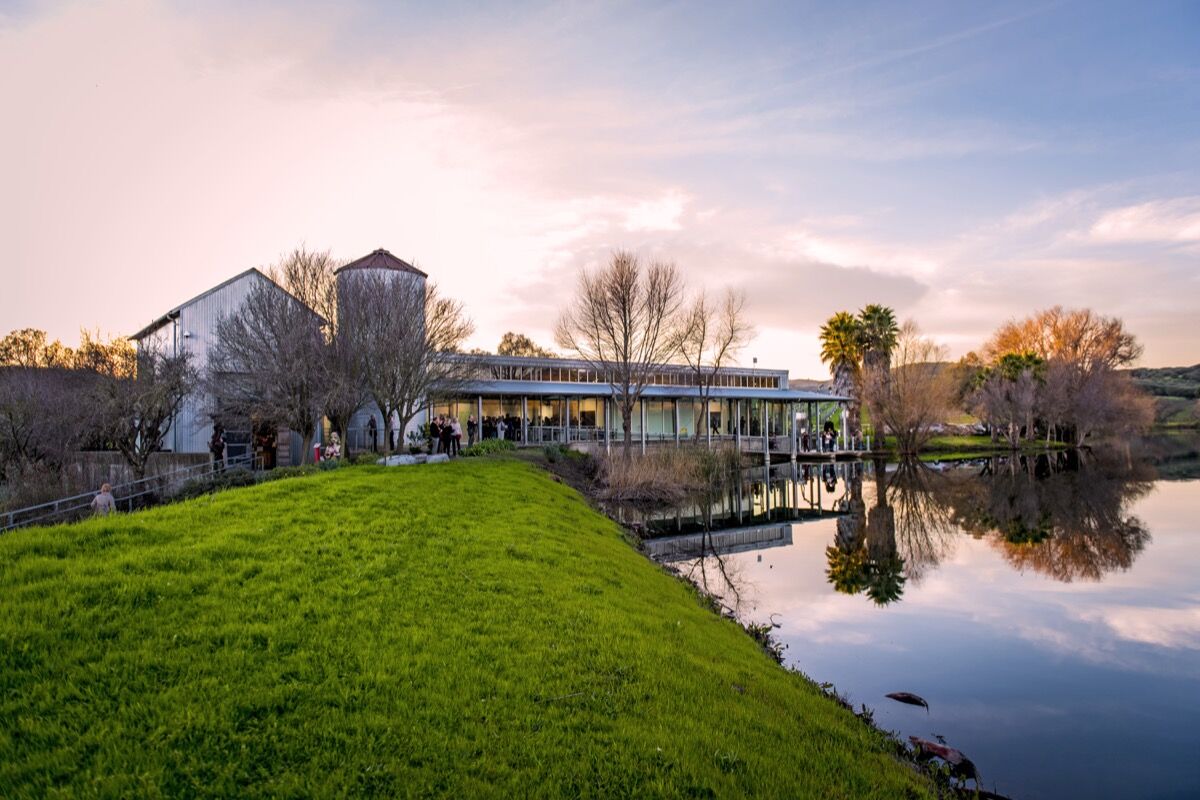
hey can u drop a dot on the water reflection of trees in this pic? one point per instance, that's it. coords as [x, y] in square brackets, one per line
[865, 557]
[1062, 515]
[718, 578]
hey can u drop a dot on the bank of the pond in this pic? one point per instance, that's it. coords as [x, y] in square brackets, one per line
[468, 629]
[962, 446]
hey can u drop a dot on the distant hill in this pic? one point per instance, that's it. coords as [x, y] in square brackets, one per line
[811, 384]
[1176, 392]
[1169, 381]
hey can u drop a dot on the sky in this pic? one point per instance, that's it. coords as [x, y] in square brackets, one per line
[965, 163]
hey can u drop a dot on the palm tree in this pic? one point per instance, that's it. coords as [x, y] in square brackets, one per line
[877, 335]
[877, 331]
[847, 569]
[841, 350]
[885, 583]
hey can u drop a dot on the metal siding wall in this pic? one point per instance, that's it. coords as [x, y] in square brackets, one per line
[199, 320]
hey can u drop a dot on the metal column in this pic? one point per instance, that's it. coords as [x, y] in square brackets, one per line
[737, 427]
[642, 408]
[524, 419]
[795, 433]
[676, 416]
[766, 421]
[607, 425]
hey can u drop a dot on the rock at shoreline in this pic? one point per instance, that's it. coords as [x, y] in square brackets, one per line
[398, 461]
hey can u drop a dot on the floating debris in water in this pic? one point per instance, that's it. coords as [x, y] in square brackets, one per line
[909, 698]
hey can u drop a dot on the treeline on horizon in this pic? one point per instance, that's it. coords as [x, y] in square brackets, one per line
[1060, 375]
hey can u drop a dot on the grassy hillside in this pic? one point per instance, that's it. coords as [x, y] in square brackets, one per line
[462, 630]
[1169, 381]
[1176, 392]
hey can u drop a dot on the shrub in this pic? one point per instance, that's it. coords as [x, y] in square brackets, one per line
[561, 452]
[665, 475]
[489, 446]
[229, 479]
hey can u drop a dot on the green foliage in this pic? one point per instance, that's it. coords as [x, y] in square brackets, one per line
[489, 446]
[1181, 382]
[560, 452]
[1012, 365]
[877, 331]
[840, 341]
[229, 479]
[343, 635]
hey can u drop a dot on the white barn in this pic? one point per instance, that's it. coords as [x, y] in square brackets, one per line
[191, 327]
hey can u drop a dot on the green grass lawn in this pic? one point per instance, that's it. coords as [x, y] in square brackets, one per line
[464, 630]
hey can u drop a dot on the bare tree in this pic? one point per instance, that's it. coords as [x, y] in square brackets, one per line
[310, 277]
[711, 335]
[623, 322]
[918, 393]
[1007, 394]
[134, 413]
[269, 363]
[42, 422]
[407, 337]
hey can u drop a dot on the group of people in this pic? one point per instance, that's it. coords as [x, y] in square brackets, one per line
[445, 435]
[505, 427]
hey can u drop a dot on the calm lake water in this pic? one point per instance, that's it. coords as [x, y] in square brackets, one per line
[1047, 609]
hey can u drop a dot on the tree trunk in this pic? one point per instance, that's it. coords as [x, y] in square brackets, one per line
[387, 433]
[306, 456]
[627, 430]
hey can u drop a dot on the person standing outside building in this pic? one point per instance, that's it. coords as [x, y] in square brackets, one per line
[472, 430]
[216, 446]
[501, 427]
[436, 435]
[104, 503]
[373, 432]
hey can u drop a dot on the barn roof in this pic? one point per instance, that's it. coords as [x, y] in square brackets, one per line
[381, 259]
[174, 312]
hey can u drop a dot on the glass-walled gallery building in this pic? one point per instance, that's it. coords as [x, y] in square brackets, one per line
[549, 400]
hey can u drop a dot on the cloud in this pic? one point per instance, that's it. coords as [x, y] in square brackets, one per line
[660, 214]
[1164, 627]
[1167, 221]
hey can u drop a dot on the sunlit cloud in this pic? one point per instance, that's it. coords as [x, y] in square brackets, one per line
[660, 214]
[1173, 220]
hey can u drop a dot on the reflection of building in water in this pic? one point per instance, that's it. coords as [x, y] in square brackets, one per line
[719, 543]
[762, 495]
